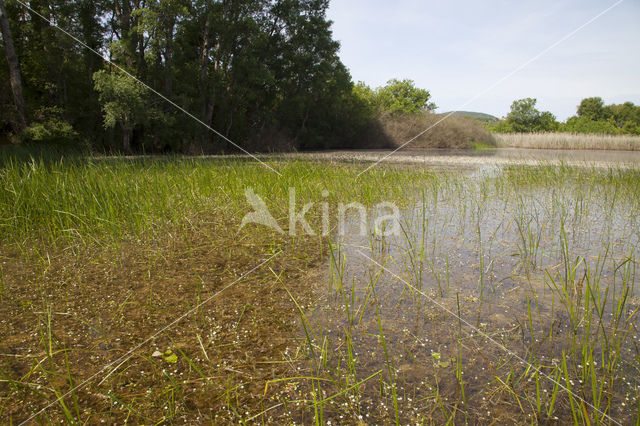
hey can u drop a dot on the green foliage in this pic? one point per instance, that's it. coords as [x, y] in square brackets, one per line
[623, 113]
[366, 94]
[245, 68]
[593, 116]
[524, 118]
[591, 109]
[631, 128]
[50, 128]
[502, 126]
[401, 96]
[56, 72]
[123, 100]
[585, 125]
[397, 97]
[395, 113]
[126, 103]
[547, 122]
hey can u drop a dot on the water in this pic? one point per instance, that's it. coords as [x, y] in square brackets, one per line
[467, 159]
[488, 280]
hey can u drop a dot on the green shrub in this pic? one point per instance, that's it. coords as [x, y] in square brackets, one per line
[593, 117]
[524, 118]
[397, 96]
[585, 125]
[631, 128]
[502, 126]
[50, 128]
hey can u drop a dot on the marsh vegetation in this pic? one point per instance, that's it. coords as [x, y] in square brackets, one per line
[128, 293]
[132, 291]
[568, 141]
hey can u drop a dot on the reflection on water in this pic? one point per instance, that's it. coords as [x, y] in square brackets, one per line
[541, 273]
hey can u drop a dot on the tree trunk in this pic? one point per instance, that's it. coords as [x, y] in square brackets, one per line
[126, 140]
[14, 68]
[122, 12]
[204, 64]
[208, 98]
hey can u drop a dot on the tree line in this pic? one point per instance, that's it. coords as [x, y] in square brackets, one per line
[592, 116]
[263, 73]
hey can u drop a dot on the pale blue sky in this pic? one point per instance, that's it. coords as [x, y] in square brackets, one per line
[458, 49]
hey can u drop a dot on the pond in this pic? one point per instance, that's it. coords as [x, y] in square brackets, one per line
[509, 293]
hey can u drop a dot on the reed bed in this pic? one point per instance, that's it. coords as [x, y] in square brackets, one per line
[568, 141]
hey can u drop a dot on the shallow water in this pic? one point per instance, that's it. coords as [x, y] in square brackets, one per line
[498, 280]
[445, 158]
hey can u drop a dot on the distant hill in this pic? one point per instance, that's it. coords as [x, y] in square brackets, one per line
[480, 116]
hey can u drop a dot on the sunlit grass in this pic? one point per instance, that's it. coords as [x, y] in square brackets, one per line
[86, 199]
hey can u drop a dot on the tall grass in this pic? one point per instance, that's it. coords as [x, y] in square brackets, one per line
[568, 141]
[90, 199]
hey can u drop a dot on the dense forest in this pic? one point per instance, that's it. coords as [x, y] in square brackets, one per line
[208, 76]
[263, 73]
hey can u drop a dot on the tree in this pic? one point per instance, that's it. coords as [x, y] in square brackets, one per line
[593, 116]
[524, 117]
[123, 102]
[402, 96]
[623, 113]
[56, 71]
[243, 67]
[592, 108]
[547, 122]
[14, 68]
[364, 92]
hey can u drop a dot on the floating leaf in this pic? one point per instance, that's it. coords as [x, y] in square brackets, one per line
[435, 355]
[170, 357]
[443, 364]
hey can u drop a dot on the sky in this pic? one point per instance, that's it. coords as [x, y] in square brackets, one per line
[461, 50]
